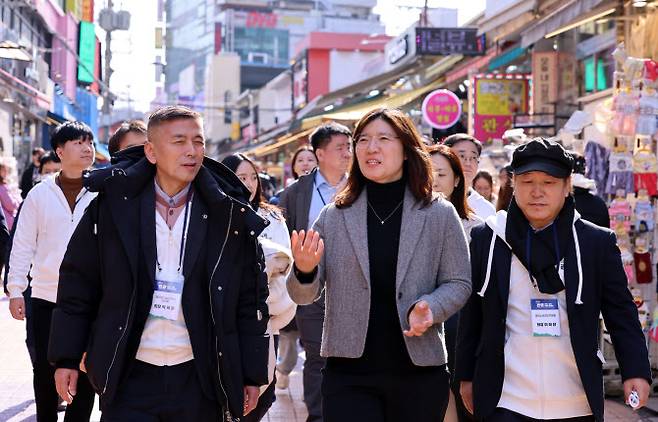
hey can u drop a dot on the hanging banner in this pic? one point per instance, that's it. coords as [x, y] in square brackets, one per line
[441, 109]
[496, 99]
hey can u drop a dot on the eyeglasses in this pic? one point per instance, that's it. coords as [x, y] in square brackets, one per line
[466, 159]
[364, 141]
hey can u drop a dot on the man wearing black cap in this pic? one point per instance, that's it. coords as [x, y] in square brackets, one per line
[527, 346]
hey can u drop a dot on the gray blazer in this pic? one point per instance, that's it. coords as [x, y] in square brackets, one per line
[433, 265]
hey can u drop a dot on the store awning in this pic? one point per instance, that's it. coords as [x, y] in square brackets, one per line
[442, 66]
[509, 14]
[285, 140]
[507, 57]
[474, 64]
[572, 13]
[12, 51]
[357, 111]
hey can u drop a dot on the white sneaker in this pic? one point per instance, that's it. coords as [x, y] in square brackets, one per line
[282, 380]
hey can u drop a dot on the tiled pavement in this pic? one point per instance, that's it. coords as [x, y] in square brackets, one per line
[17, 399]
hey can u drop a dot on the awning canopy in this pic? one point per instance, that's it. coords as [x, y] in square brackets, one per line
[509, 14]
[357, 111]
[285, 140]
[507, 57]
[12, 51]
[571, 12]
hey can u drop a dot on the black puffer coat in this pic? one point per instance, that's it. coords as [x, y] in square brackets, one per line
[106, 279]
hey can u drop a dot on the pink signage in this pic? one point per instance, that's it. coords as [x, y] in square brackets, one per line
[442, 109]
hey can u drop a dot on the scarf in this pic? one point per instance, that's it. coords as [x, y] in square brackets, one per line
[541, 251]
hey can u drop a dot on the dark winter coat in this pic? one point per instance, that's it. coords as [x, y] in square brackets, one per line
[480, 356]
[107, 275]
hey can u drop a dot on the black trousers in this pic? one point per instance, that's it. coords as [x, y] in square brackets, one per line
[161, 394]
[45, 393]
[386, 397]
[450, 332]
[505, 415]
[310, 335]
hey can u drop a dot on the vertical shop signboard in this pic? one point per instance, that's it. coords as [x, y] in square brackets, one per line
[545, 81]
[553, 80]
[496, 99]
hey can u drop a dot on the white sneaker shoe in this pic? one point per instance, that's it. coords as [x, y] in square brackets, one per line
[282, 380]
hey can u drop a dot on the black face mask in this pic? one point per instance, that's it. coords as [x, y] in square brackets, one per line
[541, 251]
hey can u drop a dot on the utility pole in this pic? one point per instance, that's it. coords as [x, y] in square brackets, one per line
[108, 70]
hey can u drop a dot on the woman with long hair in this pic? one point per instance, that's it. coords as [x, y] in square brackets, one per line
[278, 261]
[10, 195]
[303, 161]
[389, 255]
[449, 180]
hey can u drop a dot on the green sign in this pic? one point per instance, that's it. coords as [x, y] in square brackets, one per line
[87, 52]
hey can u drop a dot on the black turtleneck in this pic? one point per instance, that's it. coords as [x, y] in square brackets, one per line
[385, 349]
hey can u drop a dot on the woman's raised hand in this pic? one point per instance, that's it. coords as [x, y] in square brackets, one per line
[307, 249]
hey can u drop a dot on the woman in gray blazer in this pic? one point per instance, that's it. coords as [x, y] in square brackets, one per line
[394, 262]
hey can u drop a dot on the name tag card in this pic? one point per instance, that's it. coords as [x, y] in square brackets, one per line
[167, 297]
[545, 317]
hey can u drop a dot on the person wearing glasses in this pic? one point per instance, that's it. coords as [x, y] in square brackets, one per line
[389, 255]
[469, 149]
[302, 202]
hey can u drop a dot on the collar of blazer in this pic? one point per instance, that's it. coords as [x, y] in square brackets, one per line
[413, 220]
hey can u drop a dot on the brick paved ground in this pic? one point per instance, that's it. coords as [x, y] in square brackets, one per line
[17, 399]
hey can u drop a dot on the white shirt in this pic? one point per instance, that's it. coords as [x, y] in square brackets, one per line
[541, 376]
[165, 342]
[43, 231]
[480, 205]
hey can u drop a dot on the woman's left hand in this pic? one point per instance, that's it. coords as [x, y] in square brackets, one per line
[420, 319]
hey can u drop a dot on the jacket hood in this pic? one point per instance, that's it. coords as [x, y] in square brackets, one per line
[214, 181]
[498, 222]
[133, 159]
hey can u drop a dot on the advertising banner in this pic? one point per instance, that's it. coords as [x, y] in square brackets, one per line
[441, 109]
[496, 99]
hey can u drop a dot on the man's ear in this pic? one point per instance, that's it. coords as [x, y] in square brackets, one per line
[149, 152]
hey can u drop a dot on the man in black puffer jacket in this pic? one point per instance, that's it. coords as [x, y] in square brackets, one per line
[162, 285]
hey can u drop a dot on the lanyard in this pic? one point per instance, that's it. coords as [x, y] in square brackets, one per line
[183, 241]
[318, 189]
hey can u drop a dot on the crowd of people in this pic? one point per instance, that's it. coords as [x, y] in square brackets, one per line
[178, 288]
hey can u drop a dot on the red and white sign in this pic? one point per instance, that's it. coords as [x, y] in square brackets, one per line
[441, 109]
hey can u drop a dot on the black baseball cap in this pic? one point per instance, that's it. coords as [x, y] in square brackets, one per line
[543, 155]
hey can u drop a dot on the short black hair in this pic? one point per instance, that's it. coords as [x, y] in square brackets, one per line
[38, 150]
[136, 126]
[321, 136]
[169, 113]
[452, 140]
[70, 131]
[48, 157]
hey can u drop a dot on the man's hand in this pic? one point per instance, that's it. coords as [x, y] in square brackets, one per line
[250, 398]
[466, 391]
[66, 382]
[420, 319]
[639, 385]
[17, 308]
[307, 249]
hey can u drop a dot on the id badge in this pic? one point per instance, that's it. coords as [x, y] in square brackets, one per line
[167, 297]
[545, 317]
